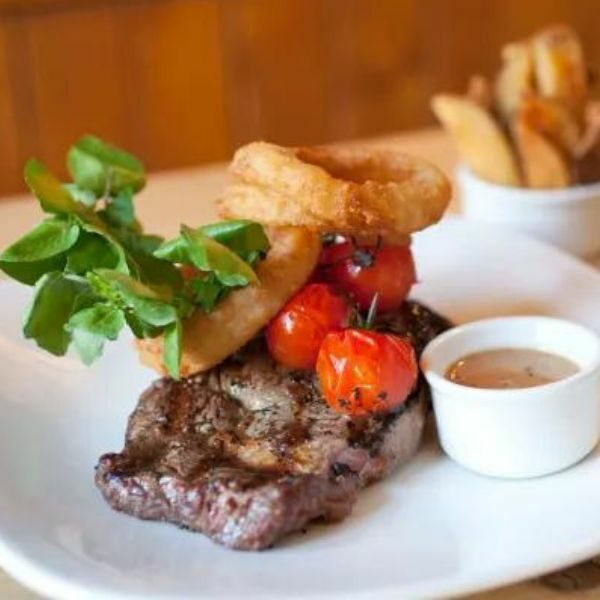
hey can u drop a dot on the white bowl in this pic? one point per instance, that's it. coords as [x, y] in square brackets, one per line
[568, 217]
[518, 432]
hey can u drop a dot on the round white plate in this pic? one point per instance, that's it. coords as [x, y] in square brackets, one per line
[432, 529]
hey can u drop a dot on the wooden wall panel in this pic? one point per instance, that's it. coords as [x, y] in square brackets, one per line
[171, 85]
[374, 66]
[146, 76]
[10, 169]
[275, 70]
[77, 79]
[458, 33]
[181, 82]
[520, 18]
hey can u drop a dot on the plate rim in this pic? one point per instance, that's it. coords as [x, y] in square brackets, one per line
[44, 580]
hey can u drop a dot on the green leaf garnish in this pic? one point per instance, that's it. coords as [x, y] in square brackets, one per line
[172, 348]
[133, 297]
[92, 251]
[140, 328]
[51, 237]
[241, 236]
[207, 291]
[40, 251]
[29, 272]
[80, 195]
[111, 241]
[144, 264]
[209, 255]
[52, 195]
[104, 169]
[246, 238]
[91, 327]
[95, 271]
[57, 297]
[119, 211]
[139, 242]
[174, 251]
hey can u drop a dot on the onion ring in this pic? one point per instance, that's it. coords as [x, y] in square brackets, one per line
[347, 190]
[209, 338]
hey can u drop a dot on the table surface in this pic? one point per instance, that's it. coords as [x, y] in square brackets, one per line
[195, 190]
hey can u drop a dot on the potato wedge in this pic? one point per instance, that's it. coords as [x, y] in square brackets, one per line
[481, 142]
[210, 338]
[480, 91]
[553, 120]
[515, 80]
[560, 68]
[544, 165]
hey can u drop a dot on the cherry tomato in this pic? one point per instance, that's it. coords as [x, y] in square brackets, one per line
[189, 272]
[294, 336]
[364, 271]
[330, 253]
[335, 250]
[362, 372]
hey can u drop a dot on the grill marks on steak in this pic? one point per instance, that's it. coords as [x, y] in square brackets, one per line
[197, 458]
[249, 451]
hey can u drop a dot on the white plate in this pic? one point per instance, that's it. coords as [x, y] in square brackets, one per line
[433, 529]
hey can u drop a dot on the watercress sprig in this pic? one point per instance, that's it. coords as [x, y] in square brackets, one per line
[95, 272]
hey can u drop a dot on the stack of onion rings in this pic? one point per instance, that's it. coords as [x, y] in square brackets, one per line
[298, 194]
[349, 190]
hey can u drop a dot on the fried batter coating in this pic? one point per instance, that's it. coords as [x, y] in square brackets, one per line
[348, 190]
[209, 338]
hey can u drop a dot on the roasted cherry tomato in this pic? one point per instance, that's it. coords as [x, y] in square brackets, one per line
[294, 336]
[189, 272]
[364, 271]
[363, 372]
[335, 248]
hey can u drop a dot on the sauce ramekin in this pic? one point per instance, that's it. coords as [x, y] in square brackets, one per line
[566, 217]
[519, 432]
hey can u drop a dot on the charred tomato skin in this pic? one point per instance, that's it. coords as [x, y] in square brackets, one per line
[363, 372]
[295, 335]
[363, 271]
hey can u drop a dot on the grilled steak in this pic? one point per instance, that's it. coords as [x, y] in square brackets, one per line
[249, 451]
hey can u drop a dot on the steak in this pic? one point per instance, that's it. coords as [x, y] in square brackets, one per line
[249, 451]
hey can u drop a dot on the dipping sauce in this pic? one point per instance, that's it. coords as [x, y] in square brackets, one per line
[510, 368]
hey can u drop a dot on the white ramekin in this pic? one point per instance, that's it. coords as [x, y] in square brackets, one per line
[568, 217]
[524, 432]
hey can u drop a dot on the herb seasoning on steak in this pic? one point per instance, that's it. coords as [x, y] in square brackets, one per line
[249, 451]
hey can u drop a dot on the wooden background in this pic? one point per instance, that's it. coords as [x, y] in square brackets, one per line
[180, 82]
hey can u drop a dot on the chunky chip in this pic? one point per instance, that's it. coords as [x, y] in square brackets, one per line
[560, 68]
[537, 130]
[515, 80]
[544, 165]
[481, 142]
[553, 120]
